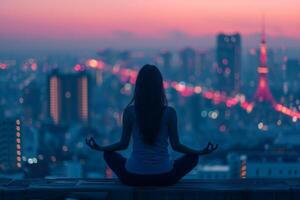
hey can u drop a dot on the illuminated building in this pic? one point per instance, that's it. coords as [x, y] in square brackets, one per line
[264, 100]
[69, 97]
[266, 165]
[10, 145]
[263, 93]
[229, 62]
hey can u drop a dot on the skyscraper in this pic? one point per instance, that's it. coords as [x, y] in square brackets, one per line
[164, 61]
[292, 77]
[293, 71]
[31, 102]
[69, 97]
[229, 62]
[188, 62]
[10, 144]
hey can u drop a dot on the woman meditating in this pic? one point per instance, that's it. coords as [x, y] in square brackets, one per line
[152, 124]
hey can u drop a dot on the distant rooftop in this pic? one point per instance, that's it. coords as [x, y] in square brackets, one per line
[284, 189]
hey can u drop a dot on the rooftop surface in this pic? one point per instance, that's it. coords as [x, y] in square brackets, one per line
[243, 189]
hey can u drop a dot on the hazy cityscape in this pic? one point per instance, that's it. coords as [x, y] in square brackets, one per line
[246, 99]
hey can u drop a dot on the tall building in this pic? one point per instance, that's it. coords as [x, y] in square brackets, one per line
[291, 82]
[31, 102]
[69, 97]
[293, 71]
[263, 93]
[10, 145]
[164, 61]
[188, 62]
[229, 62]
[263, 165]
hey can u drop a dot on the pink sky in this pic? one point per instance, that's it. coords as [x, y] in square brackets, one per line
[61, 19]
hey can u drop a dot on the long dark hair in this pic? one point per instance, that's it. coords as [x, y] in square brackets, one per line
[149, 100]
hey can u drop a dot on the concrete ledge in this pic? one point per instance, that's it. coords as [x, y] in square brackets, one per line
[269, 189]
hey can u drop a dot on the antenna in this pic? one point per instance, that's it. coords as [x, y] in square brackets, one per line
[263, 33]
[263, 45]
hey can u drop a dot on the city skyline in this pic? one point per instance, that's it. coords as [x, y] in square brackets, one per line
[230, 69]
[192, 82]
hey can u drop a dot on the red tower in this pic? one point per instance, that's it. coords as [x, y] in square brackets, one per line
[263, 93]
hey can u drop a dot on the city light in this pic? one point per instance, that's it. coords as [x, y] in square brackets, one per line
[84, 98]
[227, 88]
[189, 89]
[93, 63]
[54, 102]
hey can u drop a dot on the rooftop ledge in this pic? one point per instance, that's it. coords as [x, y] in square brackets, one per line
[266, 189]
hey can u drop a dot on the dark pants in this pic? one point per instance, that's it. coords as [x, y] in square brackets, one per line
[181, 167]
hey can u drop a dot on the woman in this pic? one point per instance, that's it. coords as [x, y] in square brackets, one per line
[152, 124]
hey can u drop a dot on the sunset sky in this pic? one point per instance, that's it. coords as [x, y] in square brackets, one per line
[50, 20]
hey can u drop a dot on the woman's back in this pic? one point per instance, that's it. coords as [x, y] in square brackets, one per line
[149, 158]
[151, 124]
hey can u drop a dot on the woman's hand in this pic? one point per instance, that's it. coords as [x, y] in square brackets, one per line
[90, 141]
[208, 149]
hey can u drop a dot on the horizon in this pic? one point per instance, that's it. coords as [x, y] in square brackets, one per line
[92, 24]
[120, 41]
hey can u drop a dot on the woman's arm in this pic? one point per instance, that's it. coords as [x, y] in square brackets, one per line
[176, 144]
[125, 138]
